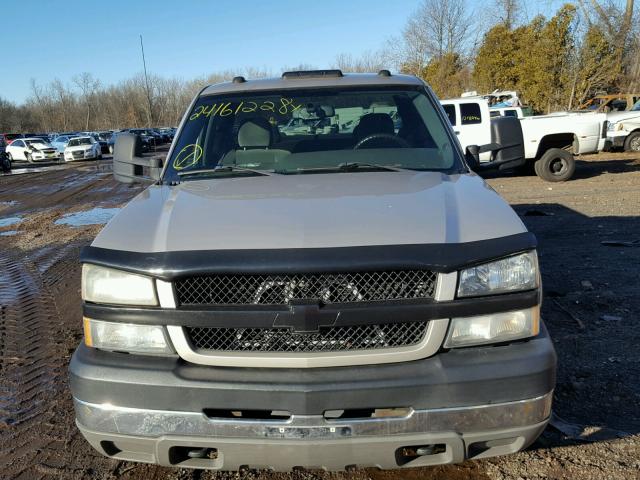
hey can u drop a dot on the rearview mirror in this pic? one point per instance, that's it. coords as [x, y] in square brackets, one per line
[129, 166]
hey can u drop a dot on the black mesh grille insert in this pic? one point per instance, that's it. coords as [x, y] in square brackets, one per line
[327, 287]
[329, 339]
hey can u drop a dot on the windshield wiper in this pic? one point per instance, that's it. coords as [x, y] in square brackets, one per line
[223, 168]
[348, 166]
[344, 167]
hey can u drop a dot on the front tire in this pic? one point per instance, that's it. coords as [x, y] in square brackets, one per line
[556, 165]
[632, 143]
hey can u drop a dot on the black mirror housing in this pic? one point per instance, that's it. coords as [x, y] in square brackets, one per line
[472, 156]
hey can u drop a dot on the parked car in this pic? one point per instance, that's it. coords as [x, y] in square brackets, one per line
[156, 138]
[111, 141]
[7, 138]
[148, 140]
[322, 300]
[623, 129]
[549, 140]
[169, 133]
[5, 163]
[103, 139]
[82, 148]
[164, 138]
[60, 142]
[31, 150]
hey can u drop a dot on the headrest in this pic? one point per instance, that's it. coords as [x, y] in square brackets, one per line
[255, 133]
[374, 123]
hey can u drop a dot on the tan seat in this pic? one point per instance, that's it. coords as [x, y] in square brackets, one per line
[255, 138]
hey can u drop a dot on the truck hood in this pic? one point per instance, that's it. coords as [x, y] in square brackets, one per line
[311, 211]
[615, 117]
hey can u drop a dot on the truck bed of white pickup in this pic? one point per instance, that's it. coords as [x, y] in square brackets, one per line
[581, 131]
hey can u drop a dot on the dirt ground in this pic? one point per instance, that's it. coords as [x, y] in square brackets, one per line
[591, 307]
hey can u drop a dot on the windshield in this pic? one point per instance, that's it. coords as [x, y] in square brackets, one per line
[74, 142]
[300, 131]
[636, 107]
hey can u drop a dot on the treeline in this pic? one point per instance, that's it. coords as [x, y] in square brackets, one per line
[554, 62]
[86, 104]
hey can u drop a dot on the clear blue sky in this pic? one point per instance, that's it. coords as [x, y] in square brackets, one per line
[187, 38]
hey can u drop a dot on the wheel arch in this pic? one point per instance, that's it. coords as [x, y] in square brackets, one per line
[565, 141]
[627, 141]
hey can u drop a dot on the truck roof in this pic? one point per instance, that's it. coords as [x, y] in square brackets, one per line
[464, 100]
[313, 79]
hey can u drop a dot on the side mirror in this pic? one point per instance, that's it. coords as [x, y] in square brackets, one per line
[507, 150]
[473, 156]
[129, 166]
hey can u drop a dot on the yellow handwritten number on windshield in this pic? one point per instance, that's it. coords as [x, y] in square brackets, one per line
[284, 107]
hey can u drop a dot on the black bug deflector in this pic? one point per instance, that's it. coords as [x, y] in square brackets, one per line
[444, 257]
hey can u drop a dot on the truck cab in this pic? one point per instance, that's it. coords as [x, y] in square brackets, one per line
[470, 119]
[623, 129]
[333, 299]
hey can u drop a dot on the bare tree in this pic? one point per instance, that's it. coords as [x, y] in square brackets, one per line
[617, 20]
[88, 87]
[508, 11]
[44, 102]
[437, 28]
[367, 62]
[65, 102]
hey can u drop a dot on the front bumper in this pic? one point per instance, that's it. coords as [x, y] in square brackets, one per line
[472, 402]
[615, 140]
[69, 157]
[445, 435]
[41, 157]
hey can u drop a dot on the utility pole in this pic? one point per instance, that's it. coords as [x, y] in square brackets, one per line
[146, 81]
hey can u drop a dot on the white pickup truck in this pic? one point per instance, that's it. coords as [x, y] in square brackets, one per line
[550, 141]
[624, 129]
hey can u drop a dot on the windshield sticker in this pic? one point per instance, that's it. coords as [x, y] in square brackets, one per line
[283, 107]
[187, 157]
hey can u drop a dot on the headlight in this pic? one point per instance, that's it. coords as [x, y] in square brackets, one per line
[107, 285]
[126, 337]
[493, 328]
[519, 272]
[611, 126]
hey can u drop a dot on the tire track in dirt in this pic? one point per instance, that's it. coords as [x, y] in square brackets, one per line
[30, 365]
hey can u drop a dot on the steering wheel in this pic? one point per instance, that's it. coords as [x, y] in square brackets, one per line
[401, 142]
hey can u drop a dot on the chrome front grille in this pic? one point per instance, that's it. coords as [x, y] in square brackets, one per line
[280, 289]
[328, 339]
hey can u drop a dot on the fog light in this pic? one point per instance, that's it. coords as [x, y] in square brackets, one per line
[126, 337]
[493, 328]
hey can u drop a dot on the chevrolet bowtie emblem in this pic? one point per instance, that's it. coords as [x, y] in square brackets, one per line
[306, 316]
